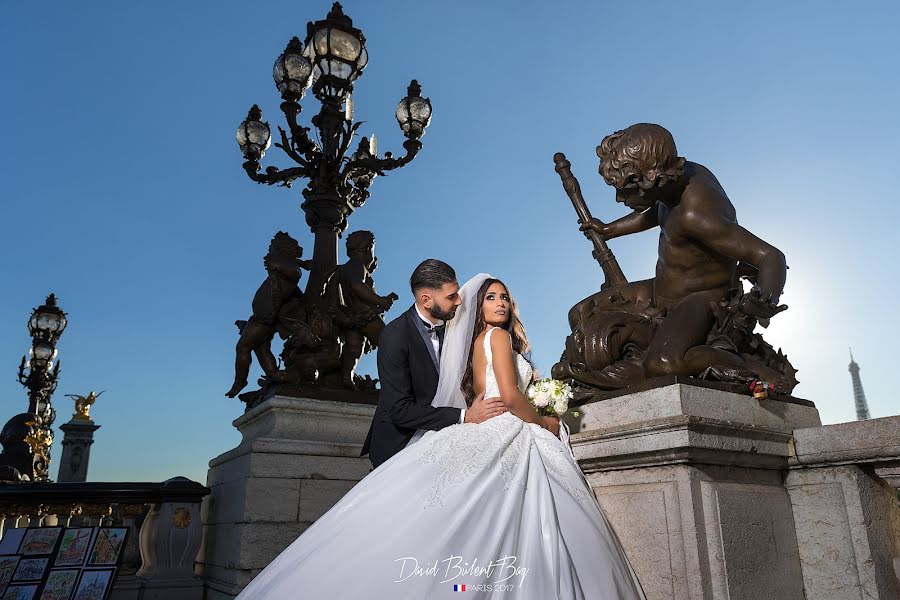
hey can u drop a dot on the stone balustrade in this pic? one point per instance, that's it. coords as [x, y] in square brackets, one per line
[163, 519]
[715, 494]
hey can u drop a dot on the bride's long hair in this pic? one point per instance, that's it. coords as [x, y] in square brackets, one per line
[513, 325]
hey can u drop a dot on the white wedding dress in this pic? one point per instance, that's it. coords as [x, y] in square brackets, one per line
[499, 507]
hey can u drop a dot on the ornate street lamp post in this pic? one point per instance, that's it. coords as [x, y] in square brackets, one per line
[329, 61]
[46, 325]
[27, 437]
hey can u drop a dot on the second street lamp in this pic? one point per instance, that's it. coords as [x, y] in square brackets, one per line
[46, 325]
[40, 375]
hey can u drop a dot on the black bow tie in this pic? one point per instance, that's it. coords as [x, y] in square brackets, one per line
[434, 328]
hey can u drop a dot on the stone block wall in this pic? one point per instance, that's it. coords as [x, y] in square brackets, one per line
[298, 458]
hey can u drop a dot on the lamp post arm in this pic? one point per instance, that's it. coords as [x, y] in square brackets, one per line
[23, 378]
[299, 135]
[286, 146]
[389, 163]
[273, 175]
[348, 133]
[378, 166]
[360, 167]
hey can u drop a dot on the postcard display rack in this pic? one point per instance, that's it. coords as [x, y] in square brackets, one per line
[60, 563]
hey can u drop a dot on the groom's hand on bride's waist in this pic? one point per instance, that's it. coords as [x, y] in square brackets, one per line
[483, 409]
[551, 424]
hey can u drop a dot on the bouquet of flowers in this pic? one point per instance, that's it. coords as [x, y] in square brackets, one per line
[550, 397]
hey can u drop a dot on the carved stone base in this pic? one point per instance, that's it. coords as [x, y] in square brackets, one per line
[309, 392]
[298, 457]
[693, 481]
[585, 395]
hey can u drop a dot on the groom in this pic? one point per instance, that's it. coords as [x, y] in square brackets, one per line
[409, 351]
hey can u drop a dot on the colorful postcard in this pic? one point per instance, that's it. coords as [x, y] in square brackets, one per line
[9, 543]
[60, 584]
[107, 545]
[31, 569]
[40, 540]
[7, 568]
[94, 584]
[74, 546]
[21, 592]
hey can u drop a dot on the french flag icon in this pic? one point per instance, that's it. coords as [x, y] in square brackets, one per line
[459, 588]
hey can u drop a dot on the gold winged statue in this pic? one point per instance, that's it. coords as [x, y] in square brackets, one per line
[83, 404]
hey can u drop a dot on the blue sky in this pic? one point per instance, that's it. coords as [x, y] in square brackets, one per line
[123, 193]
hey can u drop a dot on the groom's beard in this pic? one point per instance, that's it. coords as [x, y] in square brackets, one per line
[436, 313]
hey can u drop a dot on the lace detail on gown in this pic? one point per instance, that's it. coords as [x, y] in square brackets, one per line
[472, 448]
[469, 451]
[503, 440]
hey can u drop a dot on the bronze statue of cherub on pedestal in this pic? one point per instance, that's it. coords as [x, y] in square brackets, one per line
[694, 317]
[326, 331]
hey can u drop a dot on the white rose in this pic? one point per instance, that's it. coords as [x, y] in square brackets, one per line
[541, 400]
[560, 406]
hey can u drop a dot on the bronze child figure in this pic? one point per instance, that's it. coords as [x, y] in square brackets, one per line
[693, 318]
[278, 291]
[361, 307]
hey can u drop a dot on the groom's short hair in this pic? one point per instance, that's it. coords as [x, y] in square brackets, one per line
[431, 273]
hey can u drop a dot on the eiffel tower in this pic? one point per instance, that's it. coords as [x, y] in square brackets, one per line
[862, 408]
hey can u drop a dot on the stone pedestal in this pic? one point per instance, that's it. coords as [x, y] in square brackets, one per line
[691, 480]
[78, 436]
[298, 457]
[711, 495]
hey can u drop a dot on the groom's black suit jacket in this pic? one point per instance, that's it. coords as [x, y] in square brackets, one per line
[409, 380]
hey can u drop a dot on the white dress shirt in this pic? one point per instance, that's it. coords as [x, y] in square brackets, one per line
[437, 347]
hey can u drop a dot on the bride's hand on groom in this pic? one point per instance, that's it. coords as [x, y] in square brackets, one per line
[483, 409]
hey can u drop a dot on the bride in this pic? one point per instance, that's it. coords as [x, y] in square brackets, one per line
[498, 508]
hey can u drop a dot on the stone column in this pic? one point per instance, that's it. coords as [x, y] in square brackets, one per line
[78, 436]
[691, 479]
[298, 457]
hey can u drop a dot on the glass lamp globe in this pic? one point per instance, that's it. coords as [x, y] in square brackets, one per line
[253, 136]
[292, 71]
[48, 321]
[338, 52]
[414, 112]
[42, 354]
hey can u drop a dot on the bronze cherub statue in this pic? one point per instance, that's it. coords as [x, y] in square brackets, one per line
[694, 317]
[326, 329]
[360, 309]
[278, 295]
